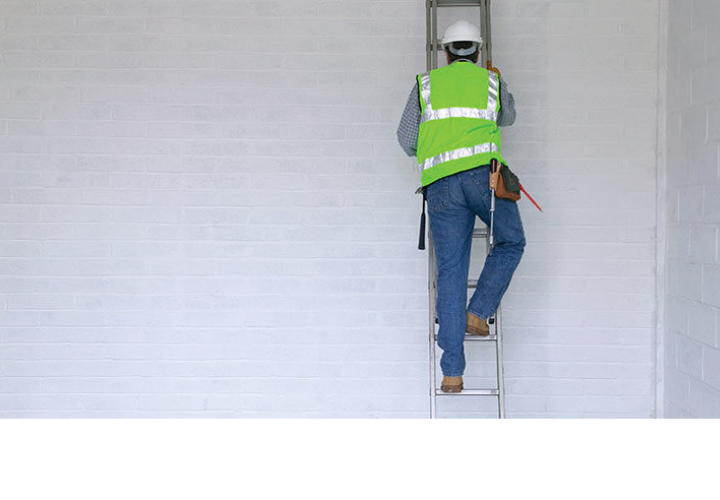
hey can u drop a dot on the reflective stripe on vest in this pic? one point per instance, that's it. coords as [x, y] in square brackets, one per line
[490, 113]
[456, 154]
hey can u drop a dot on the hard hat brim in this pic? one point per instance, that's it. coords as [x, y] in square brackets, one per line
[451, 39]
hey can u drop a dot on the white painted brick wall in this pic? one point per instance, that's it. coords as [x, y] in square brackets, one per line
[692, 357]
[204, 211]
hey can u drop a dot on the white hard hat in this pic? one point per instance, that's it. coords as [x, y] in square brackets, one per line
[462, 31]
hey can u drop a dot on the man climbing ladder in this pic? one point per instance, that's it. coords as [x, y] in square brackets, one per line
[451, 124]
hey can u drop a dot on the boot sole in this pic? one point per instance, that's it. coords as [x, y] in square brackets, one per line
[452, 389]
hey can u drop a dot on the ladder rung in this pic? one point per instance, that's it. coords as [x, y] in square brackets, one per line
[458, 3]
[472, 283]
[490, 322]
[480, 233]
[468, 392]
[478, 338]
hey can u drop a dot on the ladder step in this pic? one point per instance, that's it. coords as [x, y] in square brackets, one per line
[480, 233]
[491, 320]
[468, 392]
[472, 283]
[458, 3]
[480, 338]
[477, 338]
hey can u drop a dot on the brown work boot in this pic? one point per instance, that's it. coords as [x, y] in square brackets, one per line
[452, 384]
[477, 326]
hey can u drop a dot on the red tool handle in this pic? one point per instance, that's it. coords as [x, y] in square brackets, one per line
[530, 198]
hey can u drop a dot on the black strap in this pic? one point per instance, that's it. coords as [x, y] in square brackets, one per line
[421, 243]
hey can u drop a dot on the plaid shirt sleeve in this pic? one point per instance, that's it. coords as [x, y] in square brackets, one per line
[407, 132]
[506, 116]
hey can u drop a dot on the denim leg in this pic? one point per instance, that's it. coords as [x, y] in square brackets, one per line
[451, 224]
[509, 244]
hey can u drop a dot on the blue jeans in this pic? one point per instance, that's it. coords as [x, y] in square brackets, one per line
[453, 203]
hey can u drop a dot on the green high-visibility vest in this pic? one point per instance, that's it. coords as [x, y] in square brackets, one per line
[458, 128]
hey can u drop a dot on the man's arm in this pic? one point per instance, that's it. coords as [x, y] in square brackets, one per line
[407, 132]
[507, 114]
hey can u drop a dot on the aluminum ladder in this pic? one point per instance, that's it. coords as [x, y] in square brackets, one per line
[433, 50]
